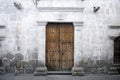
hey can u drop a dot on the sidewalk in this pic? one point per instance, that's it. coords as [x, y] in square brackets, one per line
[10, 76]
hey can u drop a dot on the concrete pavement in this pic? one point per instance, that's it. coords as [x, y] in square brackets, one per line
[10, 76]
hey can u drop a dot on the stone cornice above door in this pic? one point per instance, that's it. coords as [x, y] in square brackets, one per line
[114, 27]
[61, 9]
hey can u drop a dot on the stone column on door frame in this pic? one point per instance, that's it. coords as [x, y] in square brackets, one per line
[41, 69]
[77, 70]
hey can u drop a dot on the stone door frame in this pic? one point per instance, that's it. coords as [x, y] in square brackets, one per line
[43, 24]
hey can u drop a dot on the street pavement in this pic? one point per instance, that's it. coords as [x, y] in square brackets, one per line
[11, 76]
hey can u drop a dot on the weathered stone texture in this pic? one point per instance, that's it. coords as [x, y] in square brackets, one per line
[92, 40]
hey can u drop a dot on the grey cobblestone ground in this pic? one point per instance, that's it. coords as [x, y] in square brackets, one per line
[58, 77]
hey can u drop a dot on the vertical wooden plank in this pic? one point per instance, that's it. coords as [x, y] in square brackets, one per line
[52, 47]
[66, 45]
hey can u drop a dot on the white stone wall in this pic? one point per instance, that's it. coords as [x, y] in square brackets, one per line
[91, 37]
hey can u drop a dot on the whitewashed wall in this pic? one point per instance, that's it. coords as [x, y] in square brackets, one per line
[91, 39]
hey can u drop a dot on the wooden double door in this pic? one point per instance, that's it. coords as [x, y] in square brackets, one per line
[59, 46]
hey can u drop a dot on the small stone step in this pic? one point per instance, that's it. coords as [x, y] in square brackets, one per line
[112, 68]
[113, 72]
[59, 73]
[39, 73]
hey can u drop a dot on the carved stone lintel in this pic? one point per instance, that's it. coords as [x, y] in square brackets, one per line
[78, 24]
[60, 9]
[41, 23]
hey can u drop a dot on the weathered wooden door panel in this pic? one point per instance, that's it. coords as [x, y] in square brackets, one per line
[66, 46]
[52, 47]
[59, 46]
